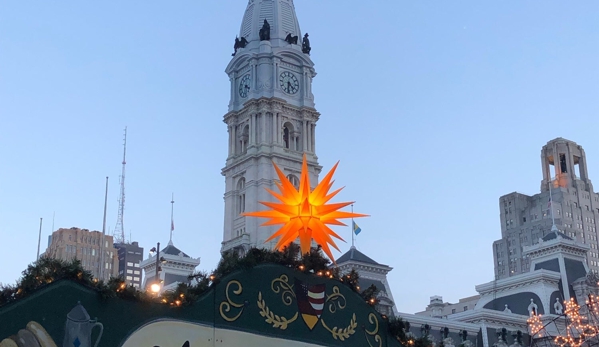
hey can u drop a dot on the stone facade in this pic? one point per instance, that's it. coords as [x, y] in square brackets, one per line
[439, 309]
[86, 246]
[174, 267]
[371, 273]
[526, 219]
[271, 118]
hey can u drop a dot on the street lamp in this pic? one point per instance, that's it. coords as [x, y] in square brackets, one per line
[155, 287]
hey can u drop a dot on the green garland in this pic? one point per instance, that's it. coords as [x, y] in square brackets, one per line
[48, 270]
[398, 327]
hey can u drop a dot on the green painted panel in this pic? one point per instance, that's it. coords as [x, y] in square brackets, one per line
[260, 306]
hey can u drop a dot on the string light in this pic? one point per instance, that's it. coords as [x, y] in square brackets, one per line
[578, 328]
[536, 325]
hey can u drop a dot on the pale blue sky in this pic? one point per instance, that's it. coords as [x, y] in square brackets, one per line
[435, 109]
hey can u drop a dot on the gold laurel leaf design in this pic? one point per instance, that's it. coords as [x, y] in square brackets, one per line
[225, 306]
[374, 332]
[271, 318]
[337, 300]
[342, 334]
[281, 285]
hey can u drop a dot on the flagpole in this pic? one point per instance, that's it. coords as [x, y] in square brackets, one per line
[170, 242]
[352, 227]
[553, 227]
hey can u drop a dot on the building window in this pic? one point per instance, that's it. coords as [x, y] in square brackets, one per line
[452, 310]
[244, 139]
[129, 263]
[465, 308]
[241, 195]
[130, 271]
[129, 278]
[136, 278]
[136, 265]
[136, 272]
[294, 180]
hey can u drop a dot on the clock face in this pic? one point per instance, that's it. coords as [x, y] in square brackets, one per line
[289, 82]
[244, 86]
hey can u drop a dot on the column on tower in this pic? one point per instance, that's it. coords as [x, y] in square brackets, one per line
[263, 130]
[582, 165]
[252, 133]
[304, 140]
[232, 82]
[230, 130]
[234, 127]
[275, 134]
[570, 163]
[309, 135]
[313, 138]
[545, 168]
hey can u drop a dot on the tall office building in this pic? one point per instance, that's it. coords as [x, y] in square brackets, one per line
[130, 256]
[271, 117]
[86, 246]
[566, 200]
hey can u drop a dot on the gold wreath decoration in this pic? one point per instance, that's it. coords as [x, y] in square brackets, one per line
[342, 334]
[271, 318]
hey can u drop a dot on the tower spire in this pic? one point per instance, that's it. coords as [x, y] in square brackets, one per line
[170, 241]
[119, 230]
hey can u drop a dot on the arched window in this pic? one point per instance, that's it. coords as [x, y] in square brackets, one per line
[244, 138]
[289, 136]
[294, 180]
[241, 195]
[286, 137]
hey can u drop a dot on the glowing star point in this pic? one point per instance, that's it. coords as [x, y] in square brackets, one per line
[304, 214]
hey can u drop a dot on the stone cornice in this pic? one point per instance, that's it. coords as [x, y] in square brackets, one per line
[365, 267]
[555, 249]
[492, 317]
[525, 279]
[437, 323]
[272, 104]
[564, 247]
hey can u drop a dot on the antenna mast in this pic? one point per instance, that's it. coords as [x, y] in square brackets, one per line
[119, 230]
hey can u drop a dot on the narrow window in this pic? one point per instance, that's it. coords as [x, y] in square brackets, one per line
[241, 195]
[294, 180]
[562, 163]
[286, 136]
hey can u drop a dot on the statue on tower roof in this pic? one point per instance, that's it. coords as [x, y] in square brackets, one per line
[306, 44]
[239, 43]
[291, 39]
[265, 31]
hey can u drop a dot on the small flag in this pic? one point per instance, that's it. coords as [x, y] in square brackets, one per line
[549, 206]
[356, 228]
[172, 225]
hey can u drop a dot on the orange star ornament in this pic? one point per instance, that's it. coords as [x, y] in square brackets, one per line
[305, 214]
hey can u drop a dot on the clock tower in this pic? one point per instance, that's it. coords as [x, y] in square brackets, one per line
[271, 117]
